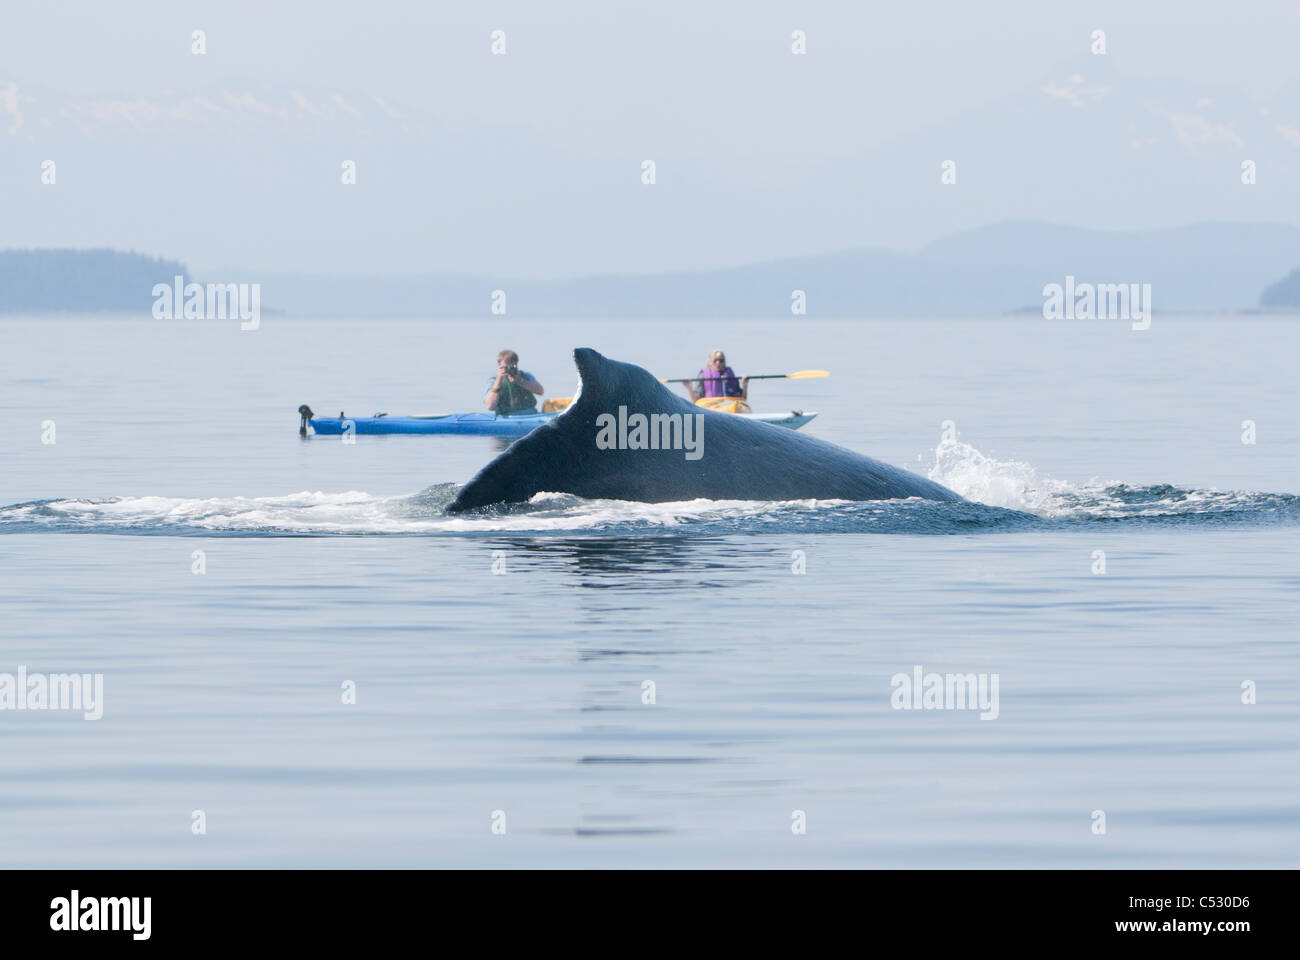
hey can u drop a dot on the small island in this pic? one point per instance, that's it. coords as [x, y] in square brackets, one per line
[49, 281]
[1285, 293]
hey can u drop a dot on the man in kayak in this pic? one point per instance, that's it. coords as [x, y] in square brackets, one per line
[718, 380]
[513, 390]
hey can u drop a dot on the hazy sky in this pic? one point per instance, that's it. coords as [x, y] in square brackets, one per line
[515, 164]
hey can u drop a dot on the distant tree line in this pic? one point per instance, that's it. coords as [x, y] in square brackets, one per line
[81, 280]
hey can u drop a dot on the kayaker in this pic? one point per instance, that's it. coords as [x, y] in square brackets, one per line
[513, 390]
[718, 380]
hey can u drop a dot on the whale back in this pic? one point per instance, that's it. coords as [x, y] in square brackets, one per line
[724, 457]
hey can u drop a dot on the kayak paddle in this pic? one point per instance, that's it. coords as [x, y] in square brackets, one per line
[797, 375]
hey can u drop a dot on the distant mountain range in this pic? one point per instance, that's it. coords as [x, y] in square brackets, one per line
[988, 271]
[992, 270]
[252, 173]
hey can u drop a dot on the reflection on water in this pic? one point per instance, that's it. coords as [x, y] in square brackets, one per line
[606, 561]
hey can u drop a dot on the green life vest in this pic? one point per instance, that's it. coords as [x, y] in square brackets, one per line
[515, 397]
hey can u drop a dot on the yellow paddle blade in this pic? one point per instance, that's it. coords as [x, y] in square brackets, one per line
[556, 403]
[800, 374]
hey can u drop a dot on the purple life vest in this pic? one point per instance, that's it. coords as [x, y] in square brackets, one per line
[717, 384]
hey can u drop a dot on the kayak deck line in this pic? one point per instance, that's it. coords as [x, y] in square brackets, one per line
[477, 424]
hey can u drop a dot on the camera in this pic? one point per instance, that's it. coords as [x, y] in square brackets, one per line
[512, 370]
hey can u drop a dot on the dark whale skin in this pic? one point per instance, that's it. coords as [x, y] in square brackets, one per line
[742, 459]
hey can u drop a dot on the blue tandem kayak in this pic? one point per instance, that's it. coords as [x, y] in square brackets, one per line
[479, 424]
[473, 424]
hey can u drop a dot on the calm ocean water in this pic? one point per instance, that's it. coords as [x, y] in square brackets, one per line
[519, 698]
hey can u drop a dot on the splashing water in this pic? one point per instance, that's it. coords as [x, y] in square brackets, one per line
[1011, 484]
[1016, 485]
[1003, 495]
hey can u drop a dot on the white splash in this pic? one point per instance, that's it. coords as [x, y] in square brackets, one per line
[356, 512]
[1012, 484]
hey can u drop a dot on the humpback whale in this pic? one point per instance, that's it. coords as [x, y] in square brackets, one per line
[627, 437]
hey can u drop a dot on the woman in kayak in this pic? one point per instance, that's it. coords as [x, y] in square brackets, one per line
[513, 390]
[718, 380]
